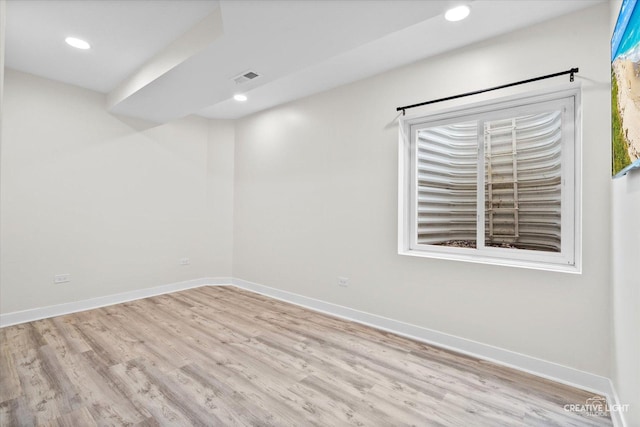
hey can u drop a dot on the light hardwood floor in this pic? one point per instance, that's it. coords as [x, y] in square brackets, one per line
[218, 356]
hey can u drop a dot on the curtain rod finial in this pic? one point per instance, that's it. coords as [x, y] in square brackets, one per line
[572, 73]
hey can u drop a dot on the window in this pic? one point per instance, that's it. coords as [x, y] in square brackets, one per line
[496, 182]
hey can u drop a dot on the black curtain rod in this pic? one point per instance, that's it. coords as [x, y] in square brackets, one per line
[535, 79]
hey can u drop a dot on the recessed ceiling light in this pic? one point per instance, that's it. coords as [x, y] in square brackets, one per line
[77, 43]
[240, 97]
[457, 13]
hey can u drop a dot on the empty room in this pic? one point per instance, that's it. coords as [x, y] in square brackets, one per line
[320, 213]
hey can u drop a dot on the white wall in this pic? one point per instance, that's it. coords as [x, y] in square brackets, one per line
[316, 198]
[626, 292]
[3, 23]
[625, 205]
[115, 202]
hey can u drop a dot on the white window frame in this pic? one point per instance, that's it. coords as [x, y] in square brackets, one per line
[569, 259]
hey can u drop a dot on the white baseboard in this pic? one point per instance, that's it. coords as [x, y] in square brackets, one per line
[13, 318]
[541, 368]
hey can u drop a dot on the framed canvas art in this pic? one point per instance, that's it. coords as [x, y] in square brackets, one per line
[625, 90]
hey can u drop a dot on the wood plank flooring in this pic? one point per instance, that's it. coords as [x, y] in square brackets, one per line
[221, 356]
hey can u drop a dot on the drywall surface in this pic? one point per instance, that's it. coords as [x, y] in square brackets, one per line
[626, 293]
[3, 22]
[316, 198]
[625, 207]
[114, 202]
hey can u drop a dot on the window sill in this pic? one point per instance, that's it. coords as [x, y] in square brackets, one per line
[503, 262]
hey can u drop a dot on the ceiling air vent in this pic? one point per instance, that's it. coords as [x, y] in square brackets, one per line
[245, 77]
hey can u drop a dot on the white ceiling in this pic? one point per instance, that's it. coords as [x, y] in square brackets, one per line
[155, 62]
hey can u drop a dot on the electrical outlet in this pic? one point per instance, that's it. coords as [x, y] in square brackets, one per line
[343, 281]
[185, 261]
[62, 278]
